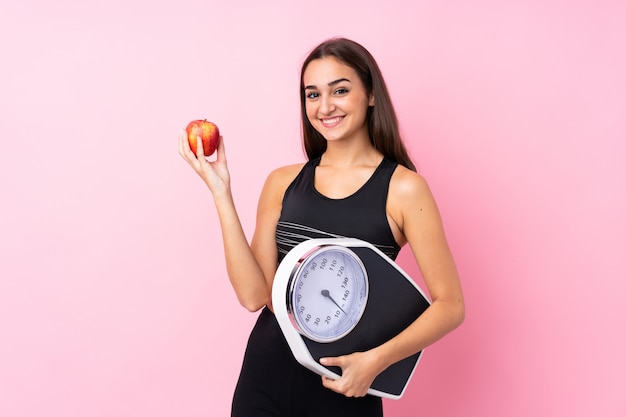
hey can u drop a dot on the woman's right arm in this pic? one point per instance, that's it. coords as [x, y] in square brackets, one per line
[250, 267]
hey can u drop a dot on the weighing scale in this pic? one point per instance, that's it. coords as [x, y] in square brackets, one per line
[338, 296]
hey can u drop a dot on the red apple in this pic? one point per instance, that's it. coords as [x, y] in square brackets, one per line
[205, 131]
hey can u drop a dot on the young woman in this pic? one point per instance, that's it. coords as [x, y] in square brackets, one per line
[358, 182]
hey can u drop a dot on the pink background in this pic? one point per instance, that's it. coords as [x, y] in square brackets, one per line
[113, 294]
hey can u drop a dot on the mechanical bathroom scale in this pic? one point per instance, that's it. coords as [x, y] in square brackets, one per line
[338, 296]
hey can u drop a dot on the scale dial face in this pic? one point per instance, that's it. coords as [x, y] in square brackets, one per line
[328, 291]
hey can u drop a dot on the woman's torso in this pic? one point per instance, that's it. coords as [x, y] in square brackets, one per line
[308, 214]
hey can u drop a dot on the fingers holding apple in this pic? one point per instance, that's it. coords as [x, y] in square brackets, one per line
[183, 144]
[192, 144]
[203, 137]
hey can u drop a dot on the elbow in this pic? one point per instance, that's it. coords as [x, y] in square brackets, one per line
[454, 312]
[459, 313]
[252, 307]
[254, 304]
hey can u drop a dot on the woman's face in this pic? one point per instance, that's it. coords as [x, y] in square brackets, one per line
[336, 102]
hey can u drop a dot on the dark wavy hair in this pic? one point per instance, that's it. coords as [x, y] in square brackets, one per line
[382, 122]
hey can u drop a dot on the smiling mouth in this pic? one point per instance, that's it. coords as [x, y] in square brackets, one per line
[332, 122]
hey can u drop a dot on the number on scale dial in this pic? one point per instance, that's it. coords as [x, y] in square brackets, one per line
[328, 292]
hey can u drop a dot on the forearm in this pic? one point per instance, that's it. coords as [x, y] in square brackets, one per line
[244, 272]
[439, 319]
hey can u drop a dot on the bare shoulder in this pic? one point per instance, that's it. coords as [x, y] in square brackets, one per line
[410, 203]
[279, 179]
[285, 175]
[406, 184]
[288, 172]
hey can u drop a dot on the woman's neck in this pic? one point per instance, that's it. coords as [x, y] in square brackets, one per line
[342, 154]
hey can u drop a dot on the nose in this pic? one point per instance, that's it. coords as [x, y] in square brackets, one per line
[327, 105]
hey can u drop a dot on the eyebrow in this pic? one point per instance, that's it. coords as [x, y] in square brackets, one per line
[330, 84]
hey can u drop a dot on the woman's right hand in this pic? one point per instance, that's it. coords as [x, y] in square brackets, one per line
[214, 173]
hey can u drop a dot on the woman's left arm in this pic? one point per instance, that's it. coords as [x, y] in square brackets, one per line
[414, 211]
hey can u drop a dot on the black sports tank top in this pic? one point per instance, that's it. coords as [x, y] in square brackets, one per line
[307, 214]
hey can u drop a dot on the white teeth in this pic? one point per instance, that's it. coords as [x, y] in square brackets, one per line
[331, 121]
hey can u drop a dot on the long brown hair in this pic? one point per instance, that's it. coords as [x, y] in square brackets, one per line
[382, 122]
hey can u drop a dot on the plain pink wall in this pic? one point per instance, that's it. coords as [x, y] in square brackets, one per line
[113, 294]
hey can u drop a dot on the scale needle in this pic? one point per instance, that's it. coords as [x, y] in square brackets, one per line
[325, 293]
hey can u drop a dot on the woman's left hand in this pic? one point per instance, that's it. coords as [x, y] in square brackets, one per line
[358, 371]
